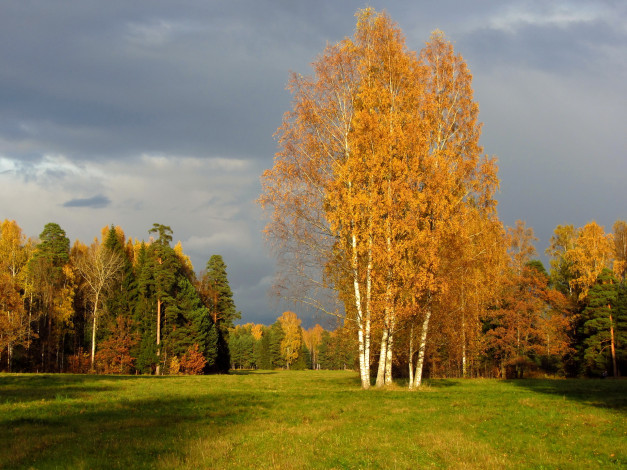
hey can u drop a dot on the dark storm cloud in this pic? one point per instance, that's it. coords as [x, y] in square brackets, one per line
[95, 202]
[172, 107]
[579, 47]
[115, 78]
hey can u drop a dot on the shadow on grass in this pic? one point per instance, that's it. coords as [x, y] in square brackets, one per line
[116, 432]
[25, 388]
[251, 372]
[442, 383]
[609, 393]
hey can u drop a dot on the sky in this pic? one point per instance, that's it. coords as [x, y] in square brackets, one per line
[131, 113]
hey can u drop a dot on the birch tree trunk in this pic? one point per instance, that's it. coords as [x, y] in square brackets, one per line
[383, 354]
[411, 356]
[421, 350]
[363, 332]
[93, 331]
[388, 360]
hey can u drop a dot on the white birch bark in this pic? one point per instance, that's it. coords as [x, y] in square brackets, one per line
[421, 350]
[383, 354]
[388, 360]
[411, 356]
[93, 331]
[364, 360]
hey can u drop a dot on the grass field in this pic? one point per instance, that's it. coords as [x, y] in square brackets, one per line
[308, 420]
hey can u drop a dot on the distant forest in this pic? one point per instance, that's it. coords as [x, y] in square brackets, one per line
[123, 306]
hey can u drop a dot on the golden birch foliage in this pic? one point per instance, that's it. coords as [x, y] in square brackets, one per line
[473, 262]
[183, 258]
[592, 252]
[520, 242]
[13, 325]
[562, 241]
[620, 248]
[377, 160]
[15, 249]
[292, 339]
[257, 331]
[119, 232]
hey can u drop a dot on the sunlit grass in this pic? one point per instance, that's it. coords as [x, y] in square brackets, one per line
[310, 419]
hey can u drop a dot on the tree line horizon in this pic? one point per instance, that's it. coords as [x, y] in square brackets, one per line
[381, 212]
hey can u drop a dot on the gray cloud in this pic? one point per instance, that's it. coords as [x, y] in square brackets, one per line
[94, 202]
[170, 108]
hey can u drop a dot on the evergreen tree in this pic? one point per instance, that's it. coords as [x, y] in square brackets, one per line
[122, 300]
[217, 296]
[164, 264]
[188, 321]
[263, 358]
[303, 361]
[145, 305]
[275, 337]
[54, 290]
[604, 326]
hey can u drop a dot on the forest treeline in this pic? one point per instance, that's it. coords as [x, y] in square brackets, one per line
[571, 321]
[286, 345]
[381, 210]
[114, 306]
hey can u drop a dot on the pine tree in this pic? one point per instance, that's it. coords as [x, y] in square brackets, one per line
[604, 326]
[145, 305]
[53, 284]
[217, 296]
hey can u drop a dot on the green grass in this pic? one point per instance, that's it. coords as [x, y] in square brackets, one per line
[308, 420]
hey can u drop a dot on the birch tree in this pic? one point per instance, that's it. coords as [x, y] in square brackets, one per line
[99, 267]
[376, 159]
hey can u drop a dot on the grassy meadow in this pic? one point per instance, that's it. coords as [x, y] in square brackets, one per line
[308, 419]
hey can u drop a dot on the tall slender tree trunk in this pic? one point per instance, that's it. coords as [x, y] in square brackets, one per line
[388, 360]
[93, 332]
[463, 307]
[383, 354]
[411, 356]
[421, 349]
[158, 368]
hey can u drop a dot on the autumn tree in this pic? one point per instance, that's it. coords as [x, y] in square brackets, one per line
[193, 362]
[591, 253]
[99, 267]
[531, 319]
[312, 339]
[115, 352]
[15, 316]
[562, 242]
[292, 338]
[620, 249]
[377, 157]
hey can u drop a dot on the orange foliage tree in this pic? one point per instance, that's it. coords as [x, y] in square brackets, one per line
[377, 160]
[292, 337]
[531, 319]
[15, 321]
[193, 362]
